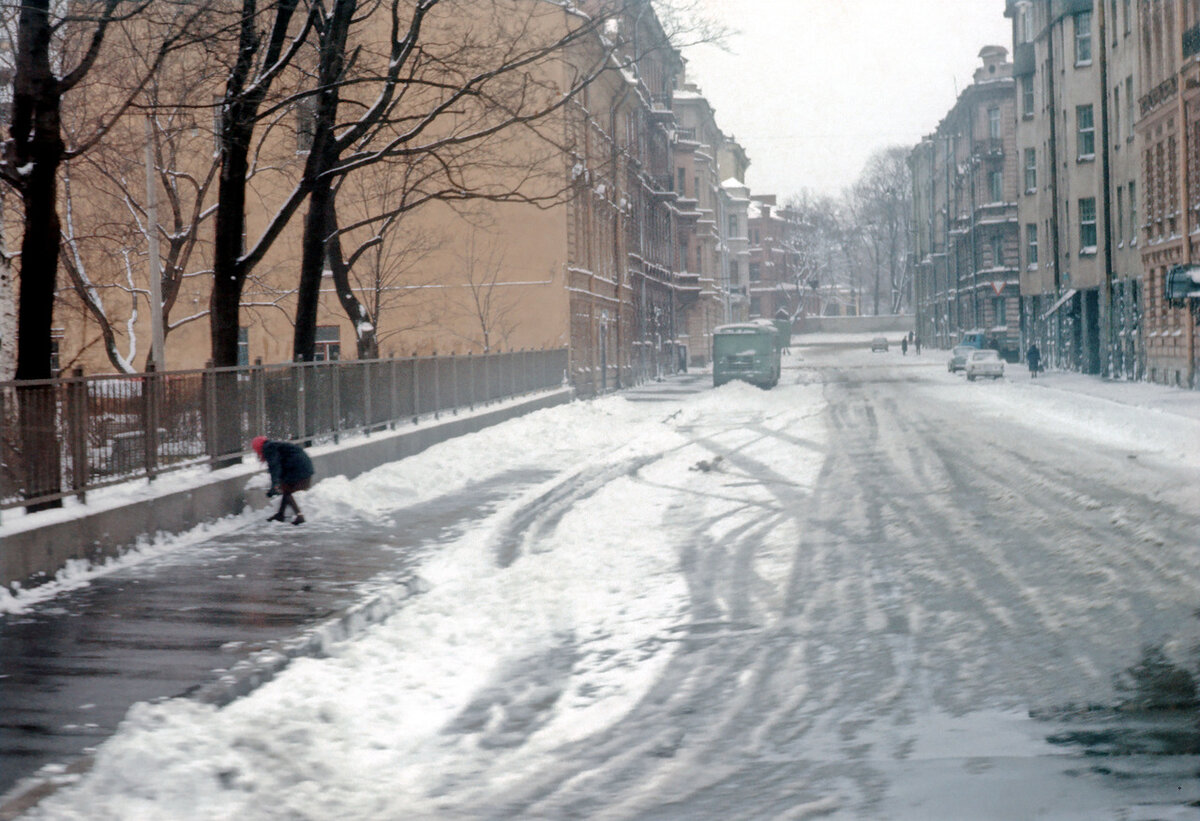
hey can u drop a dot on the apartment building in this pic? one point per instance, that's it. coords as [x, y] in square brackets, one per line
[965, 226]
[1076, 65]
[779, 287]
[732, 164]
[697, 146]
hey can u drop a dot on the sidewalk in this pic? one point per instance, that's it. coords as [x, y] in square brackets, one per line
[1174, 401]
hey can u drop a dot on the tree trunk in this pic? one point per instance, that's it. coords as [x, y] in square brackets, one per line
[312, 265]
[322, 157]
[229, 274]
[364, 324]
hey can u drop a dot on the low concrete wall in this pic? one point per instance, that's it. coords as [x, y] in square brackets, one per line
[32, 555]
[857, 324]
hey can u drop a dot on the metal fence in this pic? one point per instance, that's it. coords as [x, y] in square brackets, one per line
[63, 437]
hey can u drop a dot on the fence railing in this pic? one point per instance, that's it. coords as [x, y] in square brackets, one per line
[63, 437]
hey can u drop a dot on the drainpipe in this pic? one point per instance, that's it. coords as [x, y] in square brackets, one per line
[1184, 198]
[1106, 307]
[1055, 247]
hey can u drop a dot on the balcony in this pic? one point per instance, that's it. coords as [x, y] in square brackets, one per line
[1159, 94]
[989, 149]
[660, 186]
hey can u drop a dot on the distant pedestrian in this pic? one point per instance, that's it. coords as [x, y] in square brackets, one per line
[904, 346]
[917, 343]
[910, 338]
[1034, 357]
[291, 471]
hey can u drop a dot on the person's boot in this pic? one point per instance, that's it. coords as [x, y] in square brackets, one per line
[278, 517]
[299, 520]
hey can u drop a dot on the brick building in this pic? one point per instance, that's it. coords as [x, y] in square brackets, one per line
[1168, 140]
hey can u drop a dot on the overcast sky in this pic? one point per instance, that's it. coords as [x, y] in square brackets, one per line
[812, 87]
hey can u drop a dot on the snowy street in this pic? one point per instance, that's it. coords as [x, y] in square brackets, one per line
[876, 591]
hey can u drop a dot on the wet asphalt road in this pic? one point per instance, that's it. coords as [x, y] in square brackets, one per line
[966, 624]
[172, 625]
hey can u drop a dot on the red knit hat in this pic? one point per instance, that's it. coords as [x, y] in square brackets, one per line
[257, 443]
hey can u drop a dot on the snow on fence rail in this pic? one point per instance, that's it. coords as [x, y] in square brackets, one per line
[63, 437]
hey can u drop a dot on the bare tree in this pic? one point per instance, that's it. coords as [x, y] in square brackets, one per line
[57, 49]
[374, 270]
[456, 90]
[171, 149]
[881, 204]
[485, 305]
[256, 67]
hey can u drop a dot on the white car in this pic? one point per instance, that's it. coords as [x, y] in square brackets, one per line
[984, 363]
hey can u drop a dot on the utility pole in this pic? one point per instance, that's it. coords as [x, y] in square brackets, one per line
[156, 315]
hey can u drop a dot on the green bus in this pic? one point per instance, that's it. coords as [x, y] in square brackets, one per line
[748, 351]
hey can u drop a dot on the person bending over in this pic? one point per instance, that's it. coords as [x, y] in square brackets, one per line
[291, 471]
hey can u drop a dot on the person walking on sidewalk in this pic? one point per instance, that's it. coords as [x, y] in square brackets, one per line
[1034, 357]
[291, 471]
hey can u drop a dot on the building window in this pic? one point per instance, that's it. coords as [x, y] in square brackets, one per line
[681, 182]
[755, 306]
[1031, 244]
[1128, 14]
[1027, 23]
[1000, 310]
[56, 337]
[996, 185]
[1027, 96]
[994, 123]
[755, 272]
[733, 229]
[1130, 117]
[1087, 225]
[1085, 131]
[1120, 215]
[997, 252]
[306, 118]
[1133, 215]
[1112, 20]
[218, 107]
[1030, 170]
[328, 347]
[1083, 38]
[1117, 115]
[243, 346]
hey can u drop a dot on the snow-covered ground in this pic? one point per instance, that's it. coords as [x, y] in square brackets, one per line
[585, 579]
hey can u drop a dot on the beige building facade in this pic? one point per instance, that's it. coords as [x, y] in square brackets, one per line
[624, 265]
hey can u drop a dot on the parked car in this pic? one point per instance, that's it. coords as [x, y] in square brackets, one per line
[985, 363]
[958, 357]
[879, 343]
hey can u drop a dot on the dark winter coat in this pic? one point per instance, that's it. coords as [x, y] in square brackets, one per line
[288, 463]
